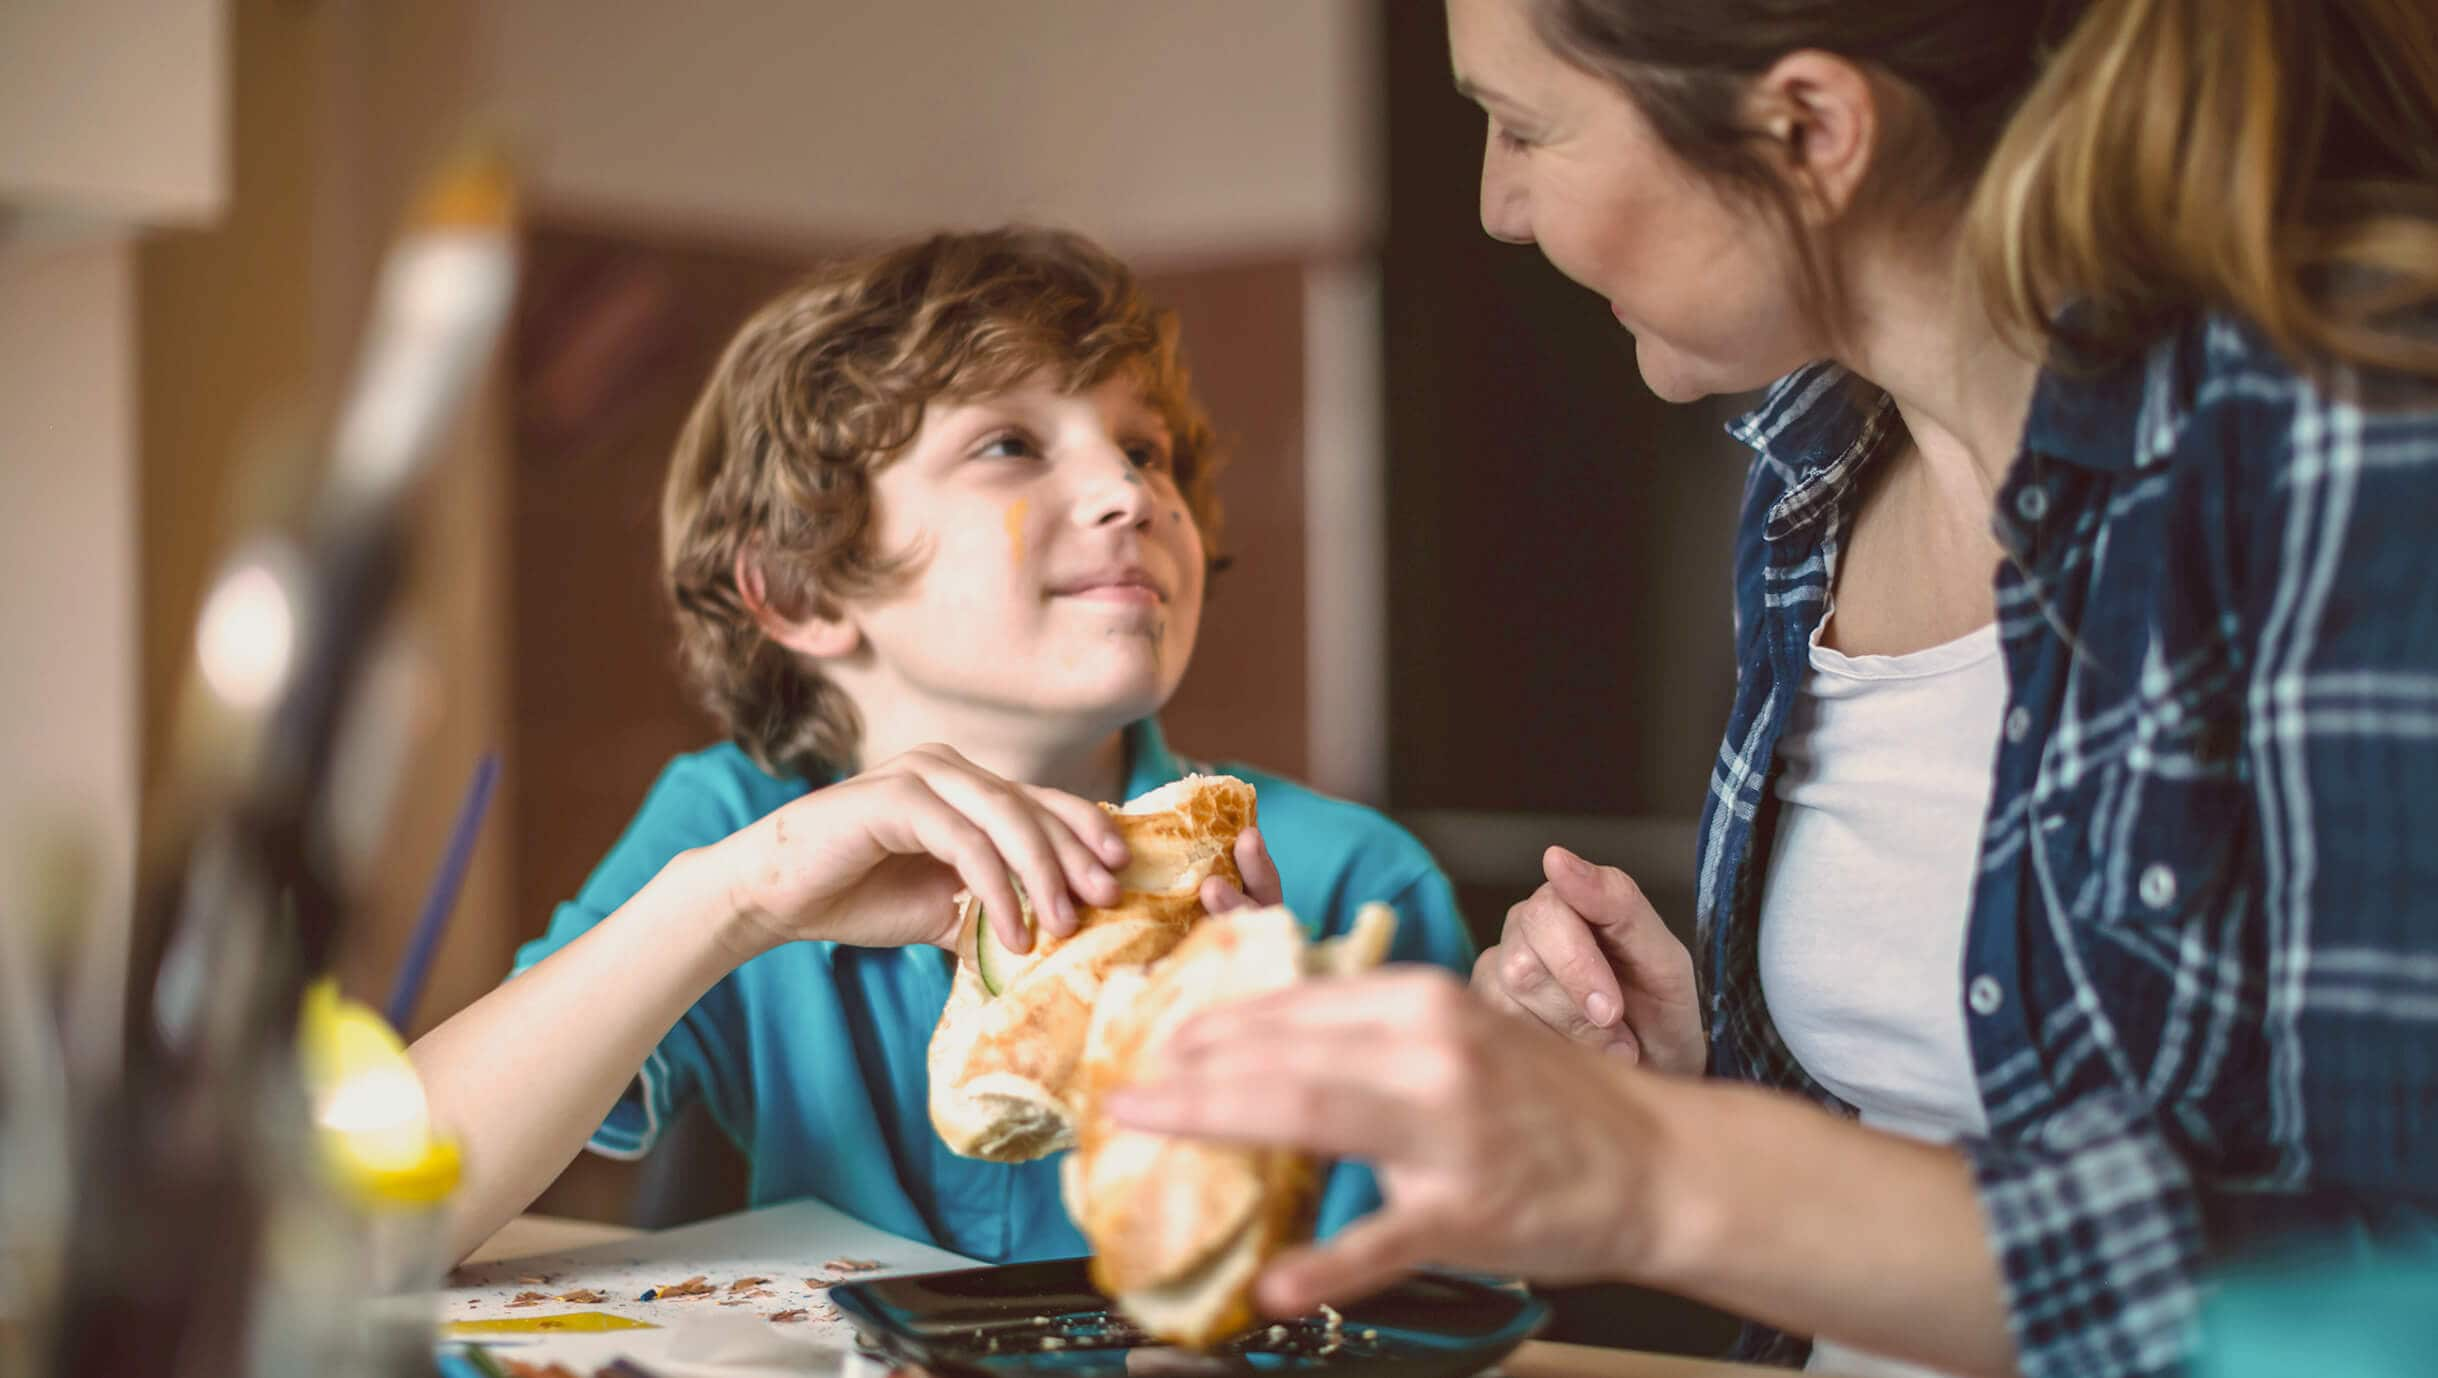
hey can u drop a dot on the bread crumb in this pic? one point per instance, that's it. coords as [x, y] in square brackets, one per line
[529, 1299]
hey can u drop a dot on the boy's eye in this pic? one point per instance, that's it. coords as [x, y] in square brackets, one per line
[1008, 445]
[1149, 456]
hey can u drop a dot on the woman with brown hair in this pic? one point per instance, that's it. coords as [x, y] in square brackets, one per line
[2068, 913]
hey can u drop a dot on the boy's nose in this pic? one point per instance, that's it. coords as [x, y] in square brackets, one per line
[1116, 494]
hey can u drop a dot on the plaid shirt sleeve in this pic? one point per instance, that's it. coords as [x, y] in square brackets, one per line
[2100, 1221]
[2097, 1229]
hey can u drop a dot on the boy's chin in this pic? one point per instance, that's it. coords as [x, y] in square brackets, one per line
[1121, 695]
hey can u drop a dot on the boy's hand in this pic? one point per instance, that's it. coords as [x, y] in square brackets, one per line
[1261, 886]
[876, 860]
[1589, 957]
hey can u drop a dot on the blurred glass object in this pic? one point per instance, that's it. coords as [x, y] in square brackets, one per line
[210, 1233]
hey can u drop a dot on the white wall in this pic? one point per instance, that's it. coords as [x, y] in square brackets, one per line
[1169, 128]
[114, 110]
[68, 631]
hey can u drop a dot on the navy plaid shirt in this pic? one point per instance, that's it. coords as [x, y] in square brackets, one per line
[2201, 971]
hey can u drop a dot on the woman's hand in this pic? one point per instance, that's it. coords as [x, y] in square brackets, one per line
[875, 860]
[1587, 956]
[1496, 1150]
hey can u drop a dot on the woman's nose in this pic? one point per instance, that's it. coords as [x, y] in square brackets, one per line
[1505, 216]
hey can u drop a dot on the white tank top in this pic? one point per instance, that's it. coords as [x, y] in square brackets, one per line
[1885, 781]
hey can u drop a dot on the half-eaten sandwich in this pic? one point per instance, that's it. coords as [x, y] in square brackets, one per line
[1180, 1228]
[1004, 1056]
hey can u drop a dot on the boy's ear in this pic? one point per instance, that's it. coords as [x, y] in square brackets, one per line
[821, 634]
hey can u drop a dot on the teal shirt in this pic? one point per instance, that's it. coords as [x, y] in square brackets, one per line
[811, 1056]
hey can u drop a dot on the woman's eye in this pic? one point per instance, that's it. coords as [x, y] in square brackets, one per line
[1513, 142]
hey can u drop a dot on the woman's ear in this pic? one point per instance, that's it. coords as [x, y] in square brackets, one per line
[823, 634]
[1819, 114]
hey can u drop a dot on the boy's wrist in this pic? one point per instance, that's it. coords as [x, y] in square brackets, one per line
[716, 905]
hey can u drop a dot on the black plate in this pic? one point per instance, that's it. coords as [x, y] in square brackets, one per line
[1045, 1319]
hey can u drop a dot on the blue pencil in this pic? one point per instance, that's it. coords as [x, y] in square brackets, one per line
[442, 899]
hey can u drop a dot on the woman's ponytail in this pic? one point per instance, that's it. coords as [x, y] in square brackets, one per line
[2277, 159]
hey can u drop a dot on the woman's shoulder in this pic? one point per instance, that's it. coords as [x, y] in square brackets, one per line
[2277, 415]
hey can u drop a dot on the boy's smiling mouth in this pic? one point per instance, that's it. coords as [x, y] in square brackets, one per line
[1123, 585]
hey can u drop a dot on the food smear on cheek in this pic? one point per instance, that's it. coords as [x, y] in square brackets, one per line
[1015, 531]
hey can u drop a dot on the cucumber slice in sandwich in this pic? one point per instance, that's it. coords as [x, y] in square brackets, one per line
[997, 966]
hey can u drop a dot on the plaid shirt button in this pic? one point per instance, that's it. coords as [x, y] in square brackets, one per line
[1985, 995]
[2158, 886]
[2018, 722]
[2032, 503]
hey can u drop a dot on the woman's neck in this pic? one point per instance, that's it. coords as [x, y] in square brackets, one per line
[1922, 333]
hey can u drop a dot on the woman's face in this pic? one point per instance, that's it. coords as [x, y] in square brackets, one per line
[1703, 278]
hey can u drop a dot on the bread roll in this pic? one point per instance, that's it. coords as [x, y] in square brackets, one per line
[1179, 1228]
[1003, 1066]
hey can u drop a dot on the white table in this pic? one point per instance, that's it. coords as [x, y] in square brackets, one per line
[698, 1337]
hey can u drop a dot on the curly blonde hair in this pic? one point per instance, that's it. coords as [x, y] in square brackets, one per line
[824, 387]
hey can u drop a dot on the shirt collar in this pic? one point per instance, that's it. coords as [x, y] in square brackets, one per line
[2110, 418]
[1820, 423]
[1818, 427]
[1149, 762]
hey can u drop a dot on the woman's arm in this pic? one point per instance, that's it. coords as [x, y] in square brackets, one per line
[1502, 1147]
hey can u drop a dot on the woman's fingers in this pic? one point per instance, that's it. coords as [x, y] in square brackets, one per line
[1653, 968]
[1361, 1259]
[1386, 1003]
[1304, 1094]
[1559, 969]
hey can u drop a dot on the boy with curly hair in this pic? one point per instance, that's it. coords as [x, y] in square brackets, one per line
[937, 535]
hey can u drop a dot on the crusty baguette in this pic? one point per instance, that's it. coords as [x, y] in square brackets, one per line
[1179, 1228]
[1003, 1067]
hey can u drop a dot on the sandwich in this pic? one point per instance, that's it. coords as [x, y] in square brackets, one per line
[1004, 1056]
[1180, 1228]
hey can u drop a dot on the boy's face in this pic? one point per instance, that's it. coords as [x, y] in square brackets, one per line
[1059, 572]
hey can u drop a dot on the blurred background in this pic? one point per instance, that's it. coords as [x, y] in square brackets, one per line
[1482, 575]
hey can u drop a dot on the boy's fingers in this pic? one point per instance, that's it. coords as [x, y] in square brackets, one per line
[1219, 897]
[1017, 830]
[952, 837]
[1261, 881]
[1091, 824]
[1086, 875]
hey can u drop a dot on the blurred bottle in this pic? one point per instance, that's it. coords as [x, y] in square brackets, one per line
[36, 931]
[355, 1250]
